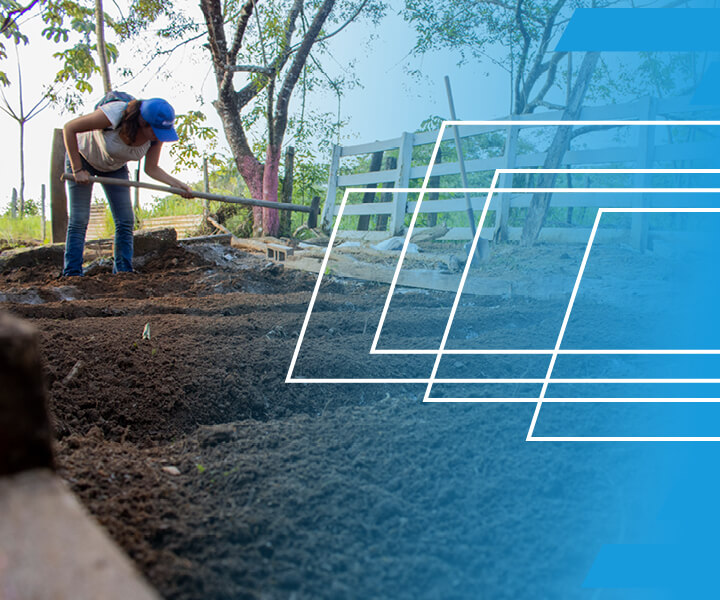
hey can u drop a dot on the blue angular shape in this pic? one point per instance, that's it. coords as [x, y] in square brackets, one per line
[708, 91]
[641, 30]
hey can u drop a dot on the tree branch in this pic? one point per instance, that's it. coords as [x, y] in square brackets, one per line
[339, 29]
[578, 131]
[520, 97]
[243, 20]
[539, 67]
[14, 14]
[269, 71]
[296, 67]
[212, 11]
[252, 89]
[551, 68]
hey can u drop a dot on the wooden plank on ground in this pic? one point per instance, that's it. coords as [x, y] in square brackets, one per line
[255, 244]
[418, 278]
[50, 548]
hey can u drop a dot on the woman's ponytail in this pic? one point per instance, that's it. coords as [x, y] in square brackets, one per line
[130, 122]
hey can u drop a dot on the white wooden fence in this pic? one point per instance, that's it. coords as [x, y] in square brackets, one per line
[184, 224]
[96, 224]
[644, 153]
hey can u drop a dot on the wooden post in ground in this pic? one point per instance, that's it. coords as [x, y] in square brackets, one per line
[434, 182]
[369, 197]
[569, 216]
[402, 180]
[13, 204]
[42, 212]
[312, 222]
[328, 212]
[58, 200]
[206, 184]
[646, 156]
[382, 220]
[24, 424]
[502, 217]
[136, 199]
[287, 190]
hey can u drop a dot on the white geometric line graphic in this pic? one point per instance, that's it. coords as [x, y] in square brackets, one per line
[556, 351]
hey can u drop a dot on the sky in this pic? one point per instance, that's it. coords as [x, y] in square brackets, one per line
[388, 101]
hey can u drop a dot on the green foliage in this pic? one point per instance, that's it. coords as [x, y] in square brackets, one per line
[78, 66]
[17, 232]
[71, 25]
[11, 32]
[171, 206]
[197, 142]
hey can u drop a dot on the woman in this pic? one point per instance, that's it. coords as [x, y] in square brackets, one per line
[101, 144]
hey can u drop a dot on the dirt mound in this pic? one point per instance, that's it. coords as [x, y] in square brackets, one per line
[289, 491]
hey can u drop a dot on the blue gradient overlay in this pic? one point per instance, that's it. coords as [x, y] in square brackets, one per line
[641, 30]
[581, 519]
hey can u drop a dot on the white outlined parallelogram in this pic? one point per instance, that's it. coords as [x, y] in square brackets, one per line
[555, 351]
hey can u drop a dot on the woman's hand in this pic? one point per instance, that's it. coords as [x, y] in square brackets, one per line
[189, 192]
[82, 176]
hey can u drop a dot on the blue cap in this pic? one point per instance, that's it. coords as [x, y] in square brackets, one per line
[161, 117]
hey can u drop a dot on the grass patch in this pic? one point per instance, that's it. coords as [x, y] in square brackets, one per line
[20, 232]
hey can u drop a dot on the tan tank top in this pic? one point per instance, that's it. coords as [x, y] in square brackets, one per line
[103, 148]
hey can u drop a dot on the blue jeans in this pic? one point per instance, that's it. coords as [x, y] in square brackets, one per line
[122, 212]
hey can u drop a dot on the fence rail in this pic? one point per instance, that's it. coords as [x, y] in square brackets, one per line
[641, 153]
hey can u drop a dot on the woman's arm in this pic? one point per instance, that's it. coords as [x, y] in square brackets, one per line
[95, 120]
[156, 172]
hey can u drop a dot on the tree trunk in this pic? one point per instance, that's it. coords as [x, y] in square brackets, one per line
[250, 169]
[22, 169]
[102, 53]
[262, 180]
[270, 217]
[287, 192]
[541, 201]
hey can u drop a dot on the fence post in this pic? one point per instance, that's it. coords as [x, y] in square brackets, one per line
[58, 200]
[206, 178]
[434, 182]
[313, 214]
[42, 211]
[328, 211]
[402, 180]
[287, 190]
[369, 197]
[136, 199]
[382, 220]
[137, 190]
[503, 216]
[13, 204]
[646, 157]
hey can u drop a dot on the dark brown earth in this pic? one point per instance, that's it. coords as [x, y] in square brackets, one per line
[292, 490]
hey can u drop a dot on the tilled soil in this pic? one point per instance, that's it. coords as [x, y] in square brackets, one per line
[297, 490]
